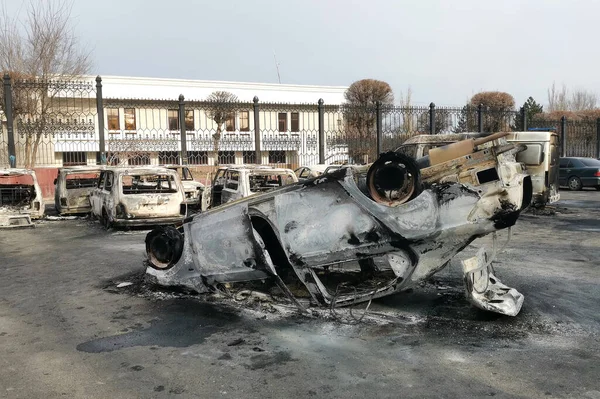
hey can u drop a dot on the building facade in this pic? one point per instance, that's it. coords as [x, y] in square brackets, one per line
[138, 122]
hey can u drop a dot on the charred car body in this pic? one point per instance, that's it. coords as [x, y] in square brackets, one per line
[20, 198]
[72, 189]
[197, 196]
[379, 230]
[538, 151]
[239, 181]
[138, 196]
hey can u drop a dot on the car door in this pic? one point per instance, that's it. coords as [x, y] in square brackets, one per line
[562, 171]
[95, 197]
[106, 194]
[305, 174]
[217, 187]
[232, 187]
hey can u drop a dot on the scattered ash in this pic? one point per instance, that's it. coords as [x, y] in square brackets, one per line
[446, 314]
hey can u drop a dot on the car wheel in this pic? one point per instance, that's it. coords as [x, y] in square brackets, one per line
[574, 183]
[105, 220]
[598, 188]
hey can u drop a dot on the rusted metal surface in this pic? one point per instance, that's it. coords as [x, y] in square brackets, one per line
[138, 196]
[72, 189]
[351, 235]
[21, 198]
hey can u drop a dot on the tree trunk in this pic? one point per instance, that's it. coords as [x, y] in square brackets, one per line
[216, 139]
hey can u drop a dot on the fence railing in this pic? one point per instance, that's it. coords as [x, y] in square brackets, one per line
[63, 123]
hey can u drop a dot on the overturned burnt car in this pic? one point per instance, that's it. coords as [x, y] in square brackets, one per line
[357, 233]
[20, 198]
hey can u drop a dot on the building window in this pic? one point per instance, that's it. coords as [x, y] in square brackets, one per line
[230, 122]
[244, 121]
[226, 157]
[282, 118]
[112, 117]
[197, 157]
[74, 158]
[139, 160]
[276, 156]
[295, 122]
[249, 156]
[168, 157]
[129, 114]
[173, 116]
[189, 121]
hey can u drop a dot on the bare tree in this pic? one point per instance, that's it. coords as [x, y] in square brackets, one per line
[359, 112]
[408, 125]
[577, 101]
[583, 100]
[38, 47]
[220, 107]
[557, 98]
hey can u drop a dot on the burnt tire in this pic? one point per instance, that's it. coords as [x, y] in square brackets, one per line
[394, 179]
[164, 247]
[574, 183]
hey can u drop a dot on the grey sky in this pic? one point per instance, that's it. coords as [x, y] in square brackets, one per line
[444, 50]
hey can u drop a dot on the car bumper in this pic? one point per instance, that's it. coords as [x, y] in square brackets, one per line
[590, 181]
[74, 210]
[148, 221]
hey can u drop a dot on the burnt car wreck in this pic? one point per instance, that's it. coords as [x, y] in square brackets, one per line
[357, 233]
[21, 198]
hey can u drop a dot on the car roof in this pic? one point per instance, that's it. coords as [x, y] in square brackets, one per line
[318, 168]
[261, 168]
[16, 172]
[82, 168]
[141, 169]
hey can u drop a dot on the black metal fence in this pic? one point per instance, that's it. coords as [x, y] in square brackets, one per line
[62, 123]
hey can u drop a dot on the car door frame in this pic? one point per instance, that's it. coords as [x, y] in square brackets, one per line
[230, 193]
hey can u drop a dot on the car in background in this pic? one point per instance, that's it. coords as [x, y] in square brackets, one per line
[21, 198]
[538, 152]
[197, 196]
[577, 172]
[308, 172]
[138, 196]
[72, 189]
[239, 181]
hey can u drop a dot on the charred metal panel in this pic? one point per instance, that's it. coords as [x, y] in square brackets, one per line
[20, 198]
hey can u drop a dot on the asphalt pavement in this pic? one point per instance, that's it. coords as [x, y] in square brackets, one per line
[70, 329]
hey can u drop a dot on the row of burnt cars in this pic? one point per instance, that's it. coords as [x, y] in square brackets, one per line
[131, 196]
[346, 236]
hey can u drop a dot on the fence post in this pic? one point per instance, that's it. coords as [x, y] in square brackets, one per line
[432, 118]
[480, 118]
[563, 136]
[256, 131]
[183, 158]
[321, 121]
[8, 111]
[100, 114]
[378, 127]
[598, 138]
[524, 117]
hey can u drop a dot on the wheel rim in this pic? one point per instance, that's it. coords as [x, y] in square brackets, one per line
[573, 183]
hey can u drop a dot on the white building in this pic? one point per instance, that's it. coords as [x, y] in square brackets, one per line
[141, 123]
